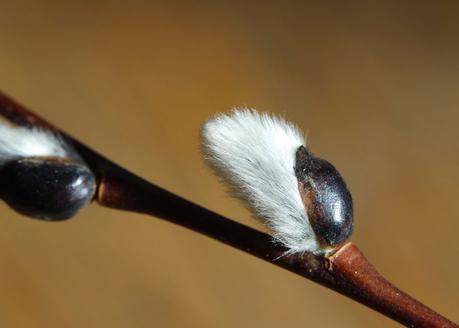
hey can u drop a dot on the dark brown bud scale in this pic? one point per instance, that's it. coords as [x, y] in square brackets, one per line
[46, 188]
[326, 198]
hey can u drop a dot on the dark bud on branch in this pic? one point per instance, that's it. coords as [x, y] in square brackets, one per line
[326, 198]
[47, 188]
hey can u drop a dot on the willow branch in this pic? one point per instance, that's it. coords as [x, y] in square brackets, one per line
[347, 271]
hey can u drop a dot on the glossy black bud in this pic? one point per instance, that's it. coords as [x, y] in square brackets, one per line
[46, 188]
[327, 200]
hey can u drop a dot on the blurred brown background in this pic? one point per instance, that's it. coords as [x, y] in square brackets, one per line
[374, 84]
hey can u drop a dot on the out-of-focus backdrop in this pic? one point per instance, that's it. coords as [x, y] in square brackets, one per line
[376, 87]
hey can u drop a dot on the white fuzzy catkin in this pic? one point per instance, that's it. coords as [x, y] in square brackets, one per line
[20, 142]
[255, 153]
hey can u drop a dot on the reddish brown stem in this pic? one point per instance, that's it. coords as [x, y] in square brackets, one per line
[349, 265]
[347, 271]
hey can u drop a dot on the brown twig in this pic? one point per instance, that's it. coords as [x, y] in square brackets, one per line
[347, 271]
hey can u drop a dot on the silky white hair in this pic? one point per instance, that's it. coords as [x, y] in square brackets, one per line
[19, 142]
[255, 153]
